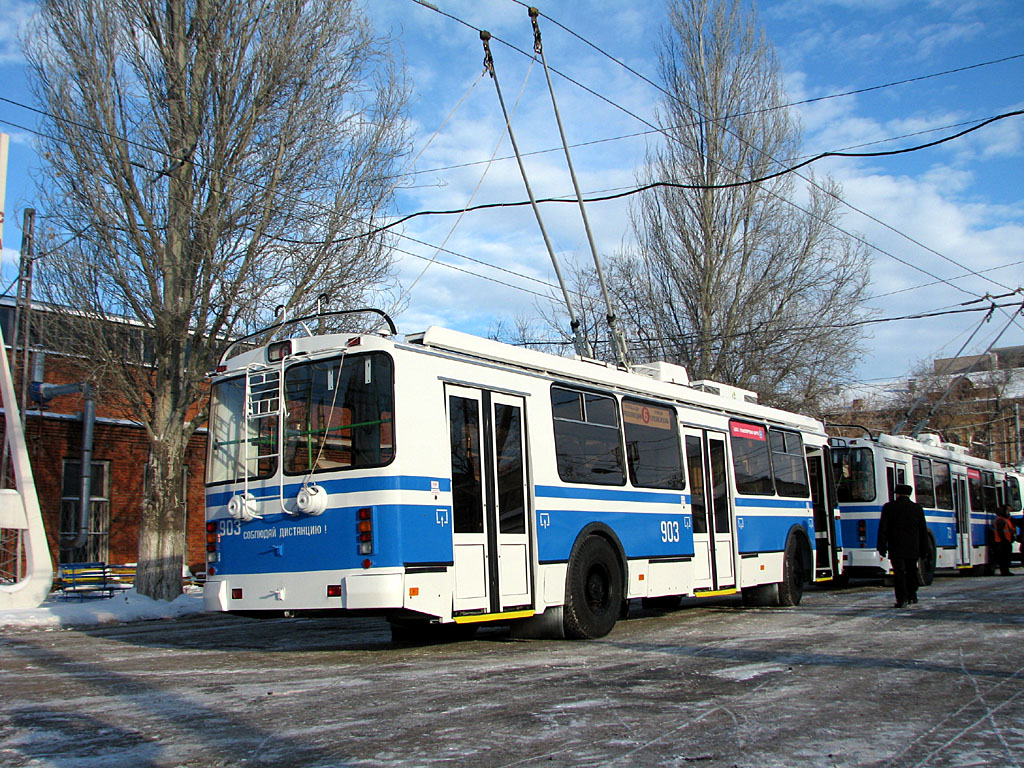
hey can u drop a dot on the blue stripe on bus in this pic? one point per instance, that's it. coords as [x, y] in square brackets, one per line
[767, 533]
[641, 535]
[943, 530]
[403, 533]
[606, 494]
[341, 485]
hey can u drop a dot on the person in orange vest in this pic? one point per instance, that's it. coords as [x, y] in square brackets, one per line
[1005, 534]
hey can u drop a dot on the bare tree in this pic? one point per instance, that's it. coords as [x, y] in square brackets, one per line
[212, 159]
[738, 284]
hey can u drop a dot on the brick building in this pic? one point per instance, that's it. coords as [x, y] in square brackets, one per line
[973, 401]
[53, 433]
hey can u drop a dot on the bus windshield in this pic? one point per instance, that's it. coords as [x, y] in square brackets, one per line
[854, 473]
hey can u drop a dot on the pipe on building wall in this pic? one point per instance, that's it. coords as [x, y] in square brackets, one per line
[42, 392]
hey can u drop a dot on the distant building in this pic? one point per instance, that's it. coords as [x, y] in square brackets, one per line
[53, 432]
[973, 401]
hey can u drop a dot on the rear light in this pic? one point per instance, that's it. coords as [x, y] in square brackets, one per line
[212, 555]
[364, 531]
[355, 341]
[862, 530]
[279, 350]
[334, 590]
[236, 593]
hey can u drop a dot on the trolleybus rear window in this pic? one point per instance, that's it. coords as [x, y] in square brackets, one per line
[339, 414]
[588, 447]
[854, 472]
[240, 446]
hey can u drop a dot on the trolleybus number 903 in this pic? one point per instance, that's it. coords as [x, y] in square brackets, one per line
[669, 530]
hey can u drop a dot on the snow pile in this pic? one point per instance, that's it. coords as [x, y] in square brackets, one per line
[123, 607]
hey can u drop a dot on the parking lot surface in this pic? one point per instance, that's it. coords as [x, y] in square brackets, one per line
[841, 680]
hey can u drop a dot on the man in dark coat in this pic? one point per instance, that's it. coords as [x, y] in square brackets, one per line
[903, 535]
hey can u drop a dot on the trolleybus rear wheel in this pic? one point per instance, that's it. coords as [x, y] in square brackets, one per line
[593, 590]
[926, 564]
[791, 588]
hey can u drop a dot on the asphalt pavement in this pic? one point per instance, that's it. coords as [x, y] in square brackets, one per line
[841, 680]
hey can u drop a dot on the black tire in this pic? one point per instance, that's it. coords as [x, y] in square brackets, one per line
[791, 588]
[926, 564]
[593, 590]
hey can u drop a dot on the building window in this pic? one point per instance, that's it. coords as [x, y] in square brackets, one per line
[97, 544]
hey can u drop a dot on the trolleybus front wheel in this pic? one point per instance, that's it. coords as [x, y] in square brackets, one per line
[593, 590]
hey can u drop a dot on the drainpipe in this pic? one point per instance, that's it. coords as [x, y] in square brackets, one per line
[41, 393]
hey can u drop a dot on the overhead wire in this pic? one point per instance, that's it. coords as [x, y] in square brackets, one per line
[809, 181]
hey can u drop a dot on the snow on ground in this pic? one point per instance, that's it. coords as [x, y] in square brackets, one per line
[56, 613]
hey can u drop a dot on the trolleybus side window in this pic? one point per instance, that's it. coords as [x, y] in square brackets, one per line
[338, 414]
[974, 486]
[788, 464]
[588, 446]
[234, 442]
[751, 461]
[1013, 497]
[652, 445]
[988, 490]
[943, 485]
[924, 489]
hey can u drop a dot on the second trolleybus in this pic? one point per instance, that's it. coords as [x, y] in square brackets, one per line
[960, 494]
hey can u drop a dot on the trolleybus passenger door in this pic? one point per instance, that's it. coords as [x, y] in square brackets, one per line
[962, 516]
[710, 501]
[824, 516]
[489, 501]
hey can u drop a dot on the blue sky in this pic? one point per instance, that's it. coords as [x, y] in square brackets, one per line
[945, 211]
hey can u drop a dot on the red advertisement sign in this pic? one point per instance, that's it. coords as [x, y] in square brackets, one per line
[974, 474]
[749, 431]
